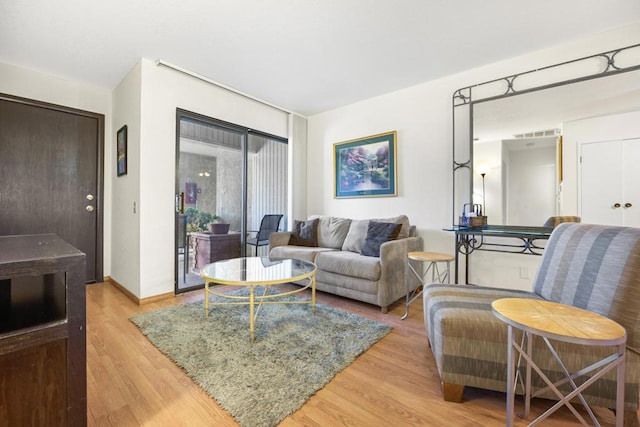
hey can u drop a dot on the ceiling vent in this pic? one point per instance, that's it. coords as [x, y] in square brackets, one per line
[538, 133]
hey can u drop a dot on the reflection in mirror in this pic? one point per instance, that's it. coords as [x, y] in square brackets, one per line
[521, 179]
[515, 141]
[462, 158]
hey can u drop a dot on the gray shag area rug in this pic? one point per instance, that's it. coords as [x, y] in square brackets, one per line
[295, 352]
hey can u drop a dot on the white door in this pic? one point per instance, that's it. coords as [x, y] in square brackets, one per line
[610, 181]
[631, 183]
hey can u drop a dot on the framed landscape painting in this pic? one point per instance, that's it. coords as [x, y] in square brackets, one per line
[365, 167]
[121, 150]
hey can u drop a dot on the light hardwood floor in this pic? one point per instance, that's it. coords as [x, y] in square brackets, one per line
[395, 383]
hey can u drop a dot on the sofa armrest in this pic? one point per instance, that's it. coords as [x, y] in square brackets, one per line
[399, 249]
[395, 274]
[279, 238]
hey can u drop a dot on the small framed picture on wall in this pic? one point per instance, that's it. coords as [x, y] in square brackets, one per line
[121, 151]
[191, 191]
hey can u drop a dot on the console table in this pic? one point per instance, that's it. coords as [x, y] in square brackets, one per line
[43, 376]
[211, 247]
[513, 239]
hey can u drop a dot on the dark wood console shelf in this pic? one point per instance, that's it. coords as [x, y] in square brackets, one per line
[43, 376]
[215, 247]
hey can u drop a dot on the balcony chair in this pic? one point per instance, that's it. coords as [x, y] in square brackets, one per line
[593, 267]
[269, 224]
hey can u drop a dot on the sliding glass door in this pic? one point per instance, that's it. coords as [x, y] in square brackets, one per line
[227, 178]
[266, 187]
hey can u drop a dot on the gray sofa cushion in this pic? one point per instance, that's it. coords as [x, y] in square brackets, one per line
[306, 253]
[358, 231]
[349, 264]
[402, 219]
[332, 231]
[350, 287]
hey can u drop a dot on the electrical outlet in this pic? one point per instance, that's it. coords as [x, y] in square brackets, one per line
[524, 272]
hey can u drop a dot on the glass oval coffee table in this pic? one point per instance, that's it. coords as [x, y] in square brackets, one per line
[258, 271]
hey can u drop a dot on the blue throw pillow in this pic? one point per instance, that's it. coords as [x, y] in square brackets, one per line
[377, 234]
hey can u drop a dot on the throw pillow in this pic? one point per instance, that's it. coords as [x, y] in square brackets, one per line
[401, 219]
[304, 233]
[377, 234]
[356, 235]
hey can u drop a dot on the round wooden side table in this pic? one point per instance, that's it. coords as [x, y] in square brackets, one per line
[551, 320]
[432, 259]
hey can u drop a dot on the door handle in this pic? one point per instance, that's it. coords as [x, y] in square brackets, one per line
[627, 205]
[616, 205]
[180, 203]
[90, 208]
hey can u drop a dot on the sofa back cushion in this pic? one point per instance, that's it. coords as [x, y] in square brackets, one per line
[596, 268]
[355, 238]
[331, 231]
[358, 231]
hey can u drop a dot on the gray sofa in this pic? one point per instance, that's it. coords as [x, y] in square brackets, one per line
[343, 270]
[593, 267]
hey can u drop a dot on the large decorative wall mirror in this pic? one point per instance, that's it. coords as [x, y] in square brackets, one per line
[507, 148]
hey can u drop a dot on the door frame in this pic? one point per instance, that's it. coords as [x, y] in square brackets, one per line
[99, 202]
[180, 114]
[186, 114]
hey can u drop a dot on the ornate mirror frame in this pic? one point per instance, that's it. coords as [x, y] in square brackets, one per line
[587, 68]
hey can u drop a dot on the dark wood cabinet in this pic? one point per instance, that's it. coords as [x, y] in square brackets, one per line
[43, 376]
[215, 247]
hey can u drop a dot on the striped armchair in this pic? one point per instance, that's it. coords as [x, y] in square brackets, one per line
[592, 267]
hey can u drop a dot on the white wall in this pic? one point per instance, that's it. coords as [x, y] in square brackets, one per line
[297, 172]
[163, 91]
[125, 210]
[422, 116]
[531, 186]
[139, 252]
[47, 88]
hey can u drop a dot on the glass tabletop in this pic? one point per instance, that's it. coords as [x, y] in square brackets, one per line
[257, 270]
[503, 230]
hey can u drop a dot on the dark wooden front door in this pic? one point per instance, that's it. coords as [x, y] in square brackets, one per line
[50, 175]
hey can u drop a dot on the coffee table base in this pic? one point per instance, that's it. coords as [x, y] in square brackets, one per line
[255, 302]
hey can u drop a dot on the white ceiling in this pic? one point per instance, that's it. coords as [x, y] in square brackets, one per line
[306, 56]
